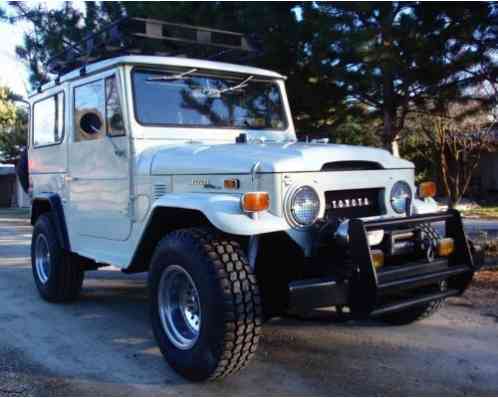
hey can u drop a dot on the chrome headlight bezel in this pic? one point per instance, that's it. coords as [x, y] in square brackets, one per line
[290, 206]
[400, 192]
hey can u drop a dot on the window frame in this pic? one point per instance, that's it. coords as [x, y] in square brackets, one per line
[106, 78]
[218, 74]
[63, 131]
[98, 79]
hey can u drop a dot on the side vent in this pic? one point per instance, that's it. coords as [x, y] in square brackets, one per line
[355, 165]
[159, 190]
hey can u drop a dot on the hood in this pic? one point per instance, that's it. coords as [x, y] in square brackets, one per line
[273, 158]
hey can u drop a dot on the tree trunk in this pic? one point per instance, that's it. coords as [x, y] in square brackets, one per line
[390, 135]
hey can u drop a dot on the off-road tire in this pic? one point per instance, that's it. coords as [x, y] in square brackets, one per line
[65, 278]
[413, 314]
[22, 170]
[430, 233]
[229, 301]
[417, 313]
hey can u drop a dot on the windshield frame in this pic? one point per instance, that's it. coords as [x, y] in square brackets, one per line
[213, 74]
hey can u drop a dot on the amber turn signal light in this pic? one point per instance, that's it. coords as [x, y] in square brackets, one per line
[446, 247]
[253, 202]
[231, 183]
[427, 189]
[377, 258]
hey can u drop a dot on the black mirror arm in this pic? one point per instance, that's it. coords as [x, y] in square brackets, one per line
[120, 153]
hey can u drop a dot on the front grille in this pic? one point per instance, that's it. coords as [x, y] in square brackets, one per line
[352, 165]
[355, 203]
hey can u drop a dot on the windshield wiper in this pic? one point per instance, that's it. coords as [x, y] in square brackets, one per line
[242, 84]
[166, 78]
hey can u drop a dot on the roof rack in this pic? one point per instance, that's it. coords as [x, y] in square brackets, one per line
[140, 36]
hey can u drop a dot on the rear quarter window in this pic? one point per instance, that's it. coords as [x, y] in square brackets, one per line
[48, 121]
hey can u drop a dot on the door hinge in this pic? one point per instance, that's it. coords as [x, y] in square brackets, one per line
[131, 207]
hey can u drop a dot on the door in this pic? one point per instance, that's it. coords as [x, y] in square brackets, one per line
[99, 161]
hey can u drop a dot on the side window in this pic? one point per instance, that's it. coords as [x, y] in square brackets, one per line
[48, 121]
[114, 115]
[89, 111]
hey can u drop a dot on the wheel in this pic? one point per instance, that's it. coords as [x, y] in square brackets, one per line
[22, 170]
[56, 278]
[424, 311]
[430, 234]
[413, 314]
[205, 304]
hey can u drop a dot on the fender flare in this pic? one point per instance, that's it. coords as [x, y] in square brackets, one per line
[51, 202]
[224, 212]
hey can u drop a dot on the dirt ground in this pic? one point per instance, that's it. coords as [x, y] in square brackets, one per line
[103, 345]
[483, 294]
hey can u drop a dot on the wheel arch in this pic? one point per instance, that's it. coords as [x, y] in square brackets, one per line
[51, 203]
[176, 211]
[162, 221]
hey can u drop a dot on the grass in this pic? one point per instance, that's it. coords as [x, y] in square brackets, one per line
[482, 212]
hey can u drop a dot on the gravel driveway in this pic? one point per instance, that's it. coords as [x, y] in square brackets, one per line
[103, 345]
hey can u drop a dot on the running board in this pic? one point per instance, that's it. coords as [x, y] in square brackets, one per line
[401, 305]
[420, 280]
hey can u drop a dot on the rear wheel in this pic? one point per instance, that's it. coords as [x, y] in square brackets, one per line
[205, 305]
[56, 277]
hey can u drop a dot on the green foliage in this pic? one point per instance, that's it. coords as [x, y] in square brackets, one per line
[54, 29]
[7, 109]
[416, 148]
[13, 127]
[394, 56]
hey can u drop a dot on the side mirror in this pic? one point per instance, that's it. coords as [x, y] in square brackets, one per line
[116, 125]
[91, 123]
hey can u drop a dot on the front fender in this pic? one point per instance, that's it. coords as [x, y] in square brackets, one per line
[224, 212]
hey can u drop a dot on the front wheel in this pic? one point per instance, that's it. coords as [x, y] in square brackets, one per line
[205, 305]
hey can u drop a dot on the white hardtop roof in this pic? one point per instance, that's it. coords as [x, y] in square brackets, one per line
[148, 60]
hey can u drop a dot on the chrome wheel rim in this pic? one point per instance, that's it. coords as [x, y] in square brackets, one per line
[42, 259]
[179, 307]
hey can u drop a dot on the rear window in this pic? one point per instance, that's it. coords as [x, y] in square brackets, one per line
[48, 121]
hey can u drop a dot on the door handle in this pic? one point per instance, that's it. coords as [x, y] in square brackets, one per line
[70, 178]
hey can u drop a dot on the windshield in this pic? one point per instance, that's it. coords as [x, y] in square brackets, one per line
[185, 99]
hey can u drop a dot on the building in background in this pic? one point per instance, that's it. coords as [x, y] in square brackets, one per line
[487, 176]
[11, 192]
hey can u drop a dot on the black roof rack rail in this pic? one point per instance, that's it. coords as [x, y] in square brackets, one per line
[142, 36]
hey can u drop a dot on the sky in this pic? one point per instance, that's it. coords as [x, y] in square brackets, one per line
[13, 72]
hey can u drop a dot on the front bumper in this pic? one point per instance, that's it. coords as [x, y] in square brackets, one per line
[370, 292]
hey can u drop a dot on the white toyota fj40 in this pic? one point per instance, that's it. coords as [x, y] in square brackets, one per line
[190, 170]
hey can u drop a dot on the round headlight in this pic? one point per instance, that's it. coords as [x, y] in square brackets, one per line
[399, 194]
[305, 206]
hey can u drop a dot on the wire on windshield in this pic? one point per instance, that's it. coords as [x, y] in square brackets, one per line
[165, 78]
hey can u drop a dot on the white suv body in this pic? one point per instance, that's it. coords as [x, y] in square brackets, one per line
[109, 187]
[191, 170]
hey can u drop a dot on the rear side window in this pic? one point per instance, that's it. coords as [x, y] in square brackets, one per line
[48, 121]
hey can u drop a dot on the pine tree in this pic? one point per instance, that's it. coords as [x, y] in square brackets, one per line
[395, 56]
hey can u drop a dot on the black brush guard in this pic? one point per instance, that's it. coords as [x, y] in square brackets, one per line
[370, 293]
